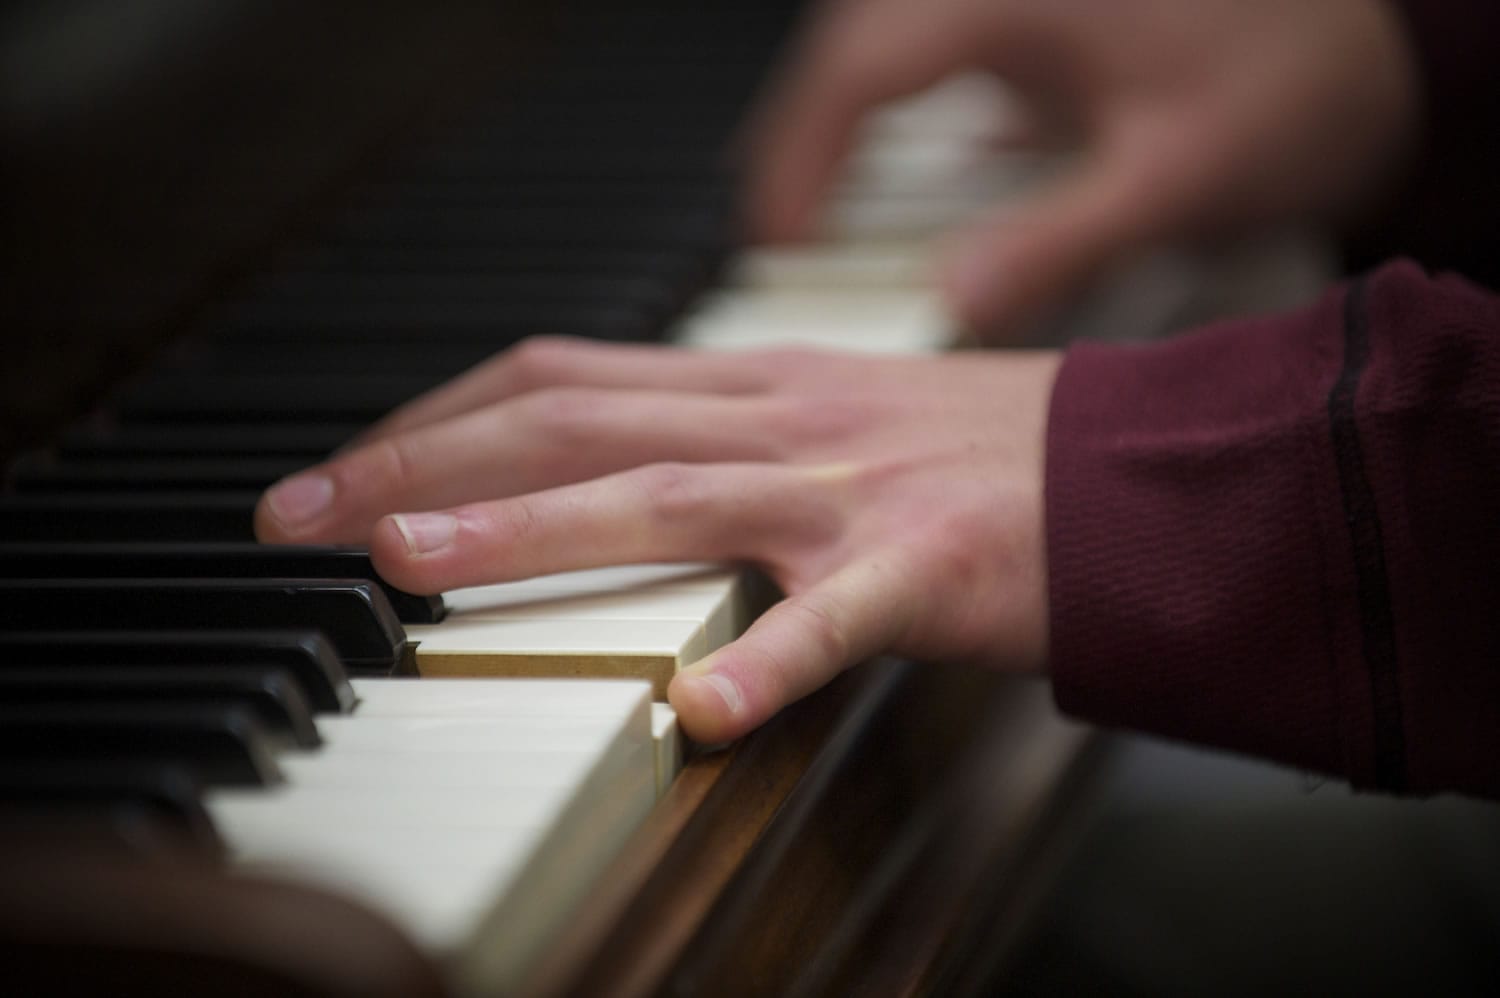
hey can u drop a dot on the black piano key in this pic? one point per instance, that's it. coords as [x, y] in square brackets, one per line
[574, 157]
[495, 326]
[674, 267]
[134, 801]
[172, 474]
[705, 229]
[355, 615]
[184, 398]
[225, 561]
[269, 692]
[129, 516]
[306, 654]
[314, 289]
[308, 442]
[217, 745]
[335, 358]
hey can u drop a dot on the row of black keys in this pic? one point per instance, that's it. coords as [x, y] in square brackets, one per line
[124, 729]
[134, 675]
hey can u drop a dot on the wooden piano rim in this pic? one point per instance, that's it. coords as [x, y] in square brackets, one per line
[692, 903]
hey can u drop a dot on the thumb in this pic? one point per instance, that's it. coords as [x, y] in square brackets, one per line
[797, 646]
[1028, 256]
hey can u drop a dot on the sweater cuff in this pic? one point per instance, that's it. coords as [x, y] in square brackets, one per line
[1191, 523]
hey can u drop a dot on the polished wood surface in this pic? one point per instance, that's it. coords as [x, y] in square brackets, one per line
[887, 836]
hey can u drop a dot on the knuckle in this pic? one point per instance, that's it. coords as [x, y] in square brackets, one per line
[959, 544]
[388, 465]
[763, 674]
[539, 360]
[781, 364]
[675, 491]
[517, 520]
[561, 415]
[813, 420]
[821, 622]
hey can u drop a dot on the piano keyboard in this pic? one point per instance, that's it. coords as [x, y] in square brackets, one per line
[473, 812]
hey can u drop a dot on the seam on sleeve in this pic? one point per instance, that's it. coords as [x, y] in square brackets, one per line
[1376, 620]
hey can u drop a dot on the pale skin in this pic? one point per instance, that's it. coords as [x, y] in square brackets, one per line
[897, 502]
[1197, 118]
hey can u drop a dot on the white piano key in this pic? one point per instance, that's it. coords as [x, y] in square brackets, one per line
[872, 265]
[619, 580]
[646, 603]
[459, 807]
[894, 321]
[668, 738]
[652, 650]
[722, 614]
[855, 215]
[355, 733]
[972, 107]
[451, 697]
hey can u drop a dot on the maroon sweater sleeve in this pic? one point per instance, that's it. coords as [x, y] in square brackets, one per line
[1282, 535]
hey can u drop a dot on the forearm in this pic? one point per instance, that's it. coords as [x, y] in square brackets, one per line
[1276, 536]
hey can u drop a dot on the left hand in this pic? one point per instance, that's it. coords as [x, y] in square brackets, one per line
[896, 502]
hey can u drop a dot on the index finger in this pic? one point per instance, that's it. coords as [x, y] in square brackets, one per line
[557, 361]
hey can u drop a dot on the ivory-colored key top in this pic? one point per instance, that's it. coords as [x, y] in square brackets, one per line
[507, 702]
[476, 814]
[452, 698]
[619, 579]
[653, 650]
[828, 266]
[647, 604]
[638, 622]
[722, 613]
[896, 321]
[668, 739]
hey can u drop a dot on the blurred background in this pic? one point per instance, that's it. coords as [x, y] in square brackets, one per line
[158, 157]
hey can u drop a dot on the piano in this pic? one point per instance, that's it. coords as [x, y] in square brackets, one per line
[278, 796]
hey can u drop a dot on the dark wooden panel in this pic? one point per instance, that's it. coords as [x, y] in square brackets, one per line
[152, 148]
[888, 835]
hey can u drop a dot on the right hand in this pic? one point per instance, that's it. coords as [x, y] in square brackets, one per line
[896, 501]
[1200, 117]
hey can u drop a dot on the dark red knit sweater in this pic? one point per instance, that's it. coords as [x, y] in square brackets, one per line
[1282, 535]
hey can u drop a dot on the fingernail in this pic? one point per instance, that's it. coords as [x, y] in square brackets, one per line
[426, 532]
[300, 499]
[724, 686]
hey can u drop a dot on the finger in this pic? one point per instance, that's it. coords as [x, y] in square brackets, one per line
[796, 647]
[662, 512]
[541, 440]
[1031, 256]
[858, 57]
[546, 362]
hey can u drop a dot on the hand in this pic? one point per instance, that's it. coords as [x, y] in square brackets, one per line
[1198, 118]
[896, 502]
